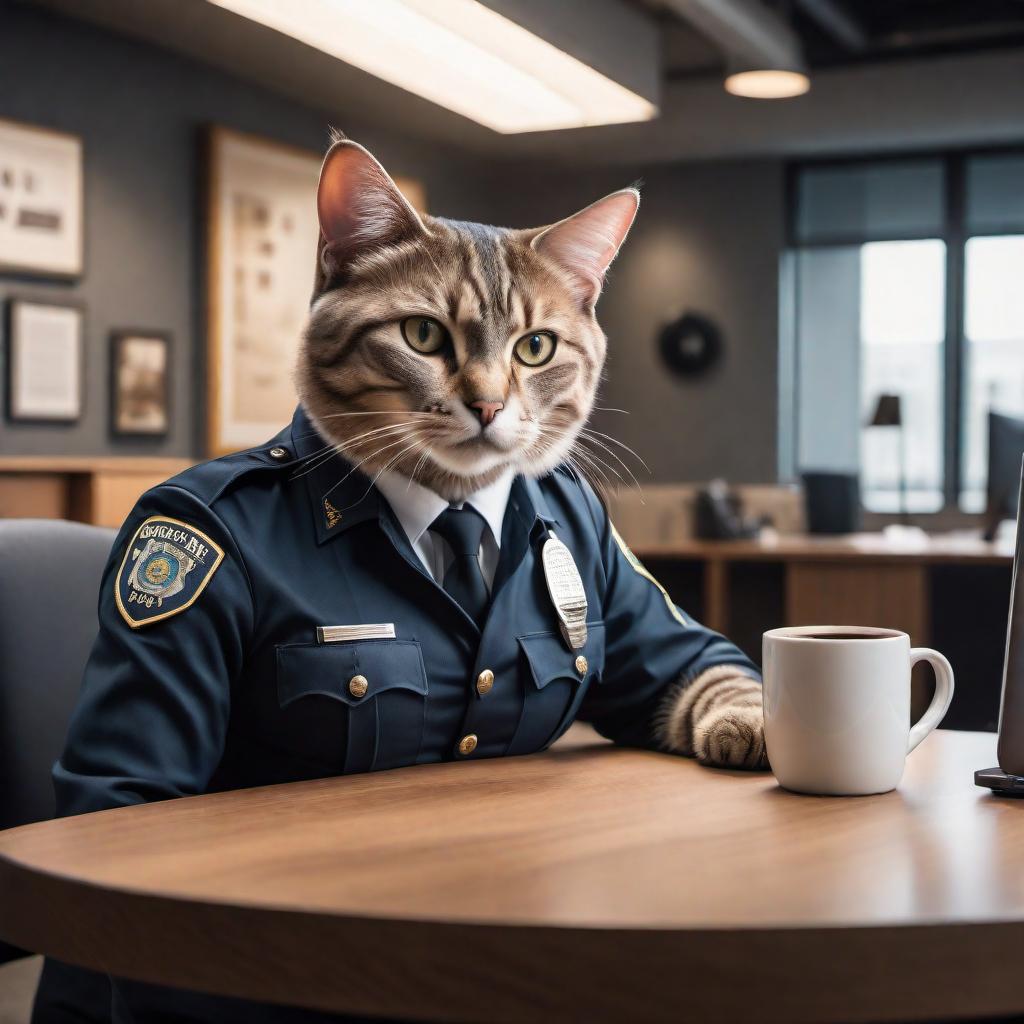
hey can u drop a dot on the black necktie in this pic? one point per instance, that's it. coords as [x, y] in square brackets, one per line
[463, 529]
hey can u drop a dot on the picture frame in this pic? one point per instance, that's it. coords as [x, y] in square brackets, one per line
[41, 202]
[45, 360]
[261, 246]
[140, 383]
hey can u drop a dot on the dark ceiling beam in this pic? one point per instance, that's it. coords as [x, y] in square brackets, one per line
[836, 21]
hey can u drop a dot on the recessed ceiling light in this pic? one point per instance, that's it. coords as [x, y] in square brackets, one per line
[767, 84]
[458, 54]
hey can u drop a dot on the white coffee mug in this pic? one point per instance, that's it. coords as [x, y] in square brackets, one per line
[837, 706]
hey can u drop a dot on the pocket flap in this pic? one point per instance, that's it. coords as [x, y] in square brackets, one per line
[328, 669]
[550, 657]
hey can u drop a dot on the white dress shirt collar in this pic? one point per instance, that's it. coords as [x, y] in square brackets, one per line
[417, 506]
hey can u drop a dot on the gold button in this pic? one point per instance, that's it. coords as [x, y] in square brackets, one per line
[467, 744]
[358, 686]
[484, 682]
[581, 665]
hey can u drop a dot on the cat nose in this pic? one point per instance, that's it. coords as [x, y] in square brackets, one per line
[486, 411]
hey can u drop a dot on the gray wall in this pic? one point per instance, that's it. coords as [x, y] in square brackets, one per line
[140, 111]
[707, 239]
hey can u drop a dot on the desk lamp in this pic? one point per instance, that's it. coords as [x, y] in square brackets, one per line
[889, 413]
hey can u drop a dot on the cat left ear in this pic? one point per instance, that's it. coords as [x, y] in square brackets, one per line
[359, 206]
[585, 244]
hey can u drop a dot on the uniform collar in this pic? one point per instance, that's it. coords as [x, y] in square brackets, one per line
[342, 497]
[416, 506]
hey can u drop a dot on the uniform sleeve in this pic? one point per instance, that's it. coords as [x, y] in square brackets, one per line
[153, 709]
[663, 671]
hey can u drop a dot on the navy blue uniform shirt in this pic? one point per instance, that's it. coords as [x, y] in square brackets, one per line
[208, 672]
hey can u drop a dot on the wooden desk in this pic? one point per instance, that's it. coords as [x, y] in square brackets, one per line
[97, 490]
[858, 580]
[588, 883]
[947, 591]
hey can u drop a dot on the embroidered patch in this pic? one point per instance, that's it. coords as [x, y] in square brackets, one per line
[166, 567]
[642, 570]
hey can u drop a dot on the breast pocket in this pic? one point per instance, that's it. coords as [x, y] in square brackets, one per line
[364, 700]
[555, 682]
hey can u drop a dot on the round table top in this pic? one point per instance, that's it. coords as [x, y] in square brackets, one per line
[589, 881]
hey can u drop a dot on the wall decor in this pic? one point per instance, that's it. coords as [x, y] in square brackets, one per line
[44, 361]
[261, 251]
[690, 345]
[40, 201]
[140, 382]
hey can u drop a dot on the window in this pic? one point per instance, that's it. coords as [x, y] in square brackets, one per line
[902, 328]
[907, 279]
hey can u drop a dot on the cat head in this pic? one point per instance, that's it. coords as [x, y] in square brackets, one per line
[451, 351]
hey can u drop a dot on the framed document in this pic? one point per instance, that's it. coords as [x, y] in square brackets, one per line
[261, 254]
[139, 383]
[40, 201]
[44, 361]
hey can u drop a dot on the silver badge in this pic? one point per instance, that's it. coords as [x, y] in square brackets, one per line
[566, 589]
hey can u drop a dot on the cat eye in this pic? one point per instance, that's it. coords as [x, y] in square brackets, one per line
[535, 349]
[423, 334]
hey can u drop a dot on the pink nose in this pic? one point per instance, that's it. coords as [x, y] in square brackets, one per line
[486, 410]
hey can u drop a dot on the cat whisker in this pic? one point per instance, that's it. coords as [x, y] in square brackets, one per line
[362, 462]
[632, 475]
[380, 472]
[590, 467]
[615, 440]
[327, 454]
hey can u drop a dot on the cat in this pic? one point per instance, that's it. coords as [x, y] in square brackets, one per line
[422, 330]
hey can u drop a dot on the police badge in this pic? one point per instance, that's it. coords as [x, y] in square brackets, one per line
[166, 567]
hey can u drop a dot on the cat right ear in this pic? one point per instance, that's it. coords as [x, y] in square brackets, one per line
[585, 244]
[359, 207]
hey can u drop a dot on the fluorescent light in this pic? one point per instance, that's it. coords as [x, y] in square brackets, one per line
[767, 84]
[458, 54]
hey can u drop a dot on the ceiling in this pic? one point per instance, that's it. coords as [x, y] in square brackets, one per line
[885, 74]
[837, 33]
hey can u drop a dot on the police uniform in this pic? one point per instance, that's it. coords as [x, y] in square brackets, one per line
[216, 666]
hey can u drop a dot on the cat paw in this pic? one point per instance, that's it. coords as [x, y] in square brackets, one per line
[731, 737]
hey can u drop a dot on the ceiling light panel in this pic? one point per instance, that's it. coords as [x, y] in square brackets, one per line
[458, 54]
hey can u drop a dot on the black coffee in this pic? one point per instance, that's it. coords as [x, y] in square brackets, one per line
[844, 636]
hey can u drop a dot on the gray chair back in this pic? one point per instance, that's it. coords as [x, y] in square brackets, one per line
[49, 582]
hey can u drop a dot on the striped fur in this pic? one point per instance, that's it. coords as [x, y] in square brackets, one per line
[387, 406]
[717, 718]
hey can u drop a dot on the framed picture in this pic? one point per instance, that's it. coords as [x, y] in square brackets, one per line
[261, 253]
[44, 361]
[140, 382]
[40, 201]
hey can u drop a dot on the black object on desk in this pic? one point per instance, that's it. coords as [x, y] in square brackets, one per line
[832, 502]
[1005, 447]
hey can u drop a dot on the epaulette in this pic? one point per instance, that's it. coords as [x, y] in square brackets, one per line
[208, 481]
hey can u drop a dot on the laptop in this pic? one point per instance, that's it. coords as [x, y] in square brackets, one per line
[1008, 778]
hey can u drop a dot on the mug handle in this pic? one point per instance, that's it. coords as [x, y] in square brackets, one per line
[943, 693]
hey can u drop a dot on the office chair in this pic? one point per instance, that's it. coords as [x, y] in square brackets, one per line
[49, 577]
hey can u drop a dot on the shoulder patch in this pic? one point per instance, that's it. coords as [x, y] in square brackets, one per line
[166, 566]
[640, 568]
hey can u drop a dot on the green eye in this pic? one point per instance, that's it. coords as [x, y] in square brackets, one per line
[536, 349]
[423, 334]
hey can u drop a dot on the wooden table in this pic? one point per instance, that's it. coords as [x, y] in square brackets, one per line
[588, 883]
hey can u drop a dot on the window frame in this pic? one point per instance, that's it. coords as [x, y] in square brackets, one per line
[955, 235]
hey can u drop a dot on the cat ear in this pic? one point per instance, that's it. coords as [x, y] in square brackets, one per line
[586, 243]
[359, 206]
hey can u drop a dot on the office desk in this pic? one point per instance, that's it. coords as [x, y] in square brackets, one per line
[587, 883]
[949, 591]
